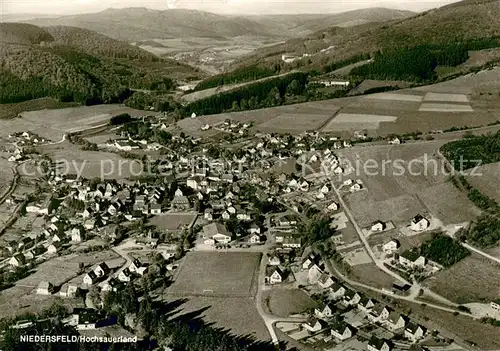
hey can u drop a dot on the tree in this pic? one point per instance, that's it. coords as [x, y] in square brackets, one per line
[294, 88]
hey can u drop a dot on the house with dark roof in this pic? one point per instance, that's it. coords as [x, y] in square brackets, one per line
[376, 344]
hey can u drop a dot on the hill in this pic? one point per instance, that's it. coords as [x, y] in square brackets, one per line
[74, 64]
[455, 23]
[23, 33]
[137, 24]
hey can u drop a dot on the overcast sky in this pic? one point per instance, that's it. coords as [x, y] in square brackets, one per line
[219, 6]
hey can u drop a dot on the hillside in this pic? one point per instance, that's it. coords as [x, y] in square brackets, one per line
[78, 65]
[448, 24]
[137, 24]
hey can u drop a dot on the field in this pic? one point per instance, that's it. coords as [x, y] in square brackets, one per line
[239, 315]
[294, 123]
[370, 274]
[54, 123]
[487, 181]
[12, 110]
[402, 181]
[223, 274]
[173, 221]
[473, 279]
[90, 164]
[285, 302]
[355, 121]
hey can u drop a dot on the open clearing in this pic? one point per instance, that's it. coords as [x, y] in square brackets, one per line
[487, 180]
[239, 315]
[289, 122]
[396, 97]
[174, 221]
[446, 97]
[370, 274]
[223, 274]
[284, 302]
[53, 124]
[90, 164]
[431, 107]
[473, 279]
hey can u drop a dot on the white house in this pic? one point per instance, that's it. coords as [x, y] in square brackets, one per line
[419, 223]
[366, 304]
[274, 275]
[333, 206]
[90, 278]
[17, 260]
[325, 311]
[396, 321]
[216, 232]
[76, 235]
[124, 276]
[313, 325]
[255, 239]
[378, 226]
[351, 298]
[342, 331]
[414, 332]
[391, 246]
[336, 291]
[379, 313]
[376, 344]
[68, 290]
[44, 288]
[325, 281]
[412, 259]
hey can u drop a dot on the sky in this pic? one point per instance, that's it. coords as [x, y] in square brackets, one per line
[66, 7]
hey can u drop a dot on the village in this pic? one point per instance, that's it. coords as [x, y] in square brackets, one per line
[273, 195]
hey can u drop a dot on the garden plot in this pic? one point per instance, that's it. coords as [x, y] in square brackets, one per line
[352, 121]
[395, 97]
[357, 257]
[174, 221]
[442, 97]
[434, 107]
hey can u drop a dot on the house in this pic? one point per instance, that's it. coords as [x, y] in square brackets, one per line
[412, 259]
[391, 246]
[90, 278]
[395, 141]
[378, 226]
[87, 213]
[87, 320]
[256, 239]
[379, 313]
[396, 321]
[376, 344]
[124, 276]
[110, 285]
[68, 290]
[254, 229]
[101, 270]
[414, 332]
[216, 232]
[274, 275]
[336, 291]
[155, 209]
[274, 260]
[292, 241]
[313, 325]
[366, 304]
[325, 281]
[208, 215]
[351, 298]
[137, 267]
[180, 202]
[17, 260]
[324, 311]
[342, 331]
[333, 206]
[54, 247]
[45, 288]
[311, 260]
[419, 223]
[76, 235]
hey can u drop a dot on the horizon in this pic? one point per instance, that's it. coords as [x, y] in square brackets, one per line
[224, 7]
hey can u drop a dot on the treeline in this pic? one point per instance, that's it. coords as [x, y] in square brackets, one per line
[485, 231]
[261, 94]
[467, 153]
[418, 63]
[443, 250]
[243, 74]
[482, 201]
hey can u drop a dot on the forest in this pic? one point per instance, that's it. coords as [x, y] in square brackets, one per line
[418, 63]
[443, 250]
[292, 88]
[243, 74]
[485, 231]
[467, 153]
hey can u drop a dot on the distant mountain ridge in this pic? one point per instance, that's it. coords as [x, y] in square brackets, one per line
[136, 24]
